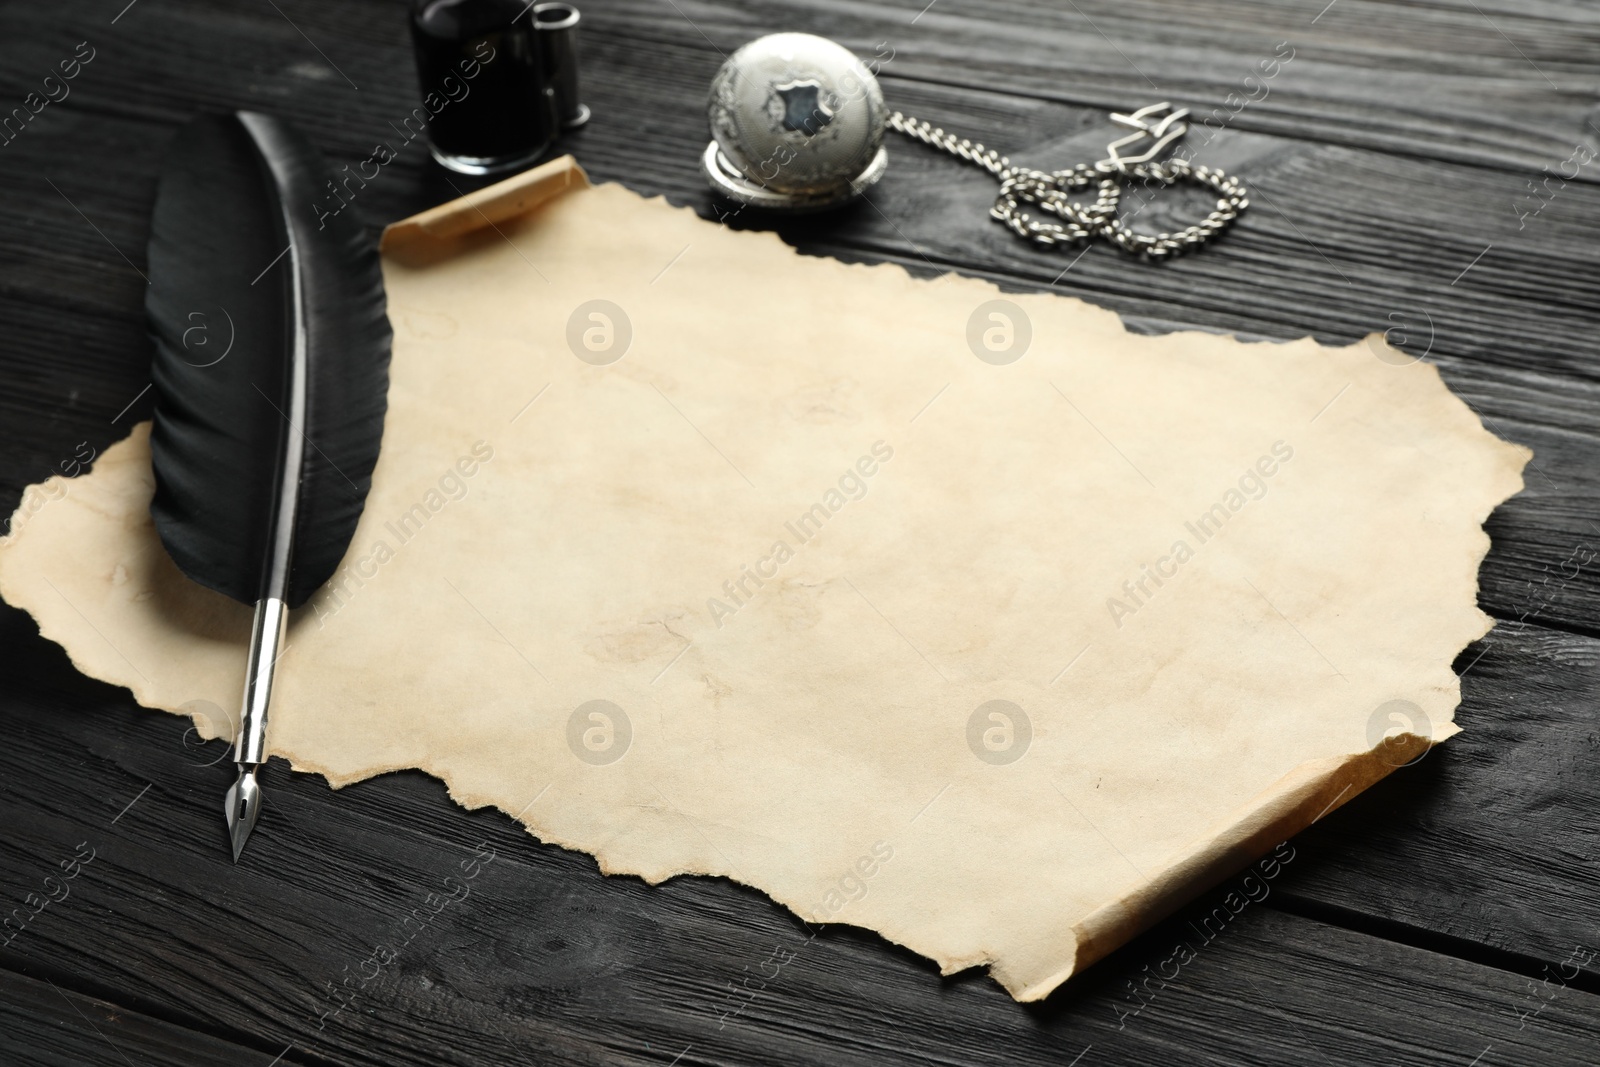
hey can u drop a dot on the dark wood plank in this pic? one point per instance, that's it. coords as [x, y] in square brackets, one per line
[1498, 83]
[1490, 839]
[43, 1025]
[545, 960]
[1394, 149]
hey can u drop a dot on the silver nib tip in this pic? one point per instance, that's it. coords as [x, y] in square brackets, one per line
[244, 807]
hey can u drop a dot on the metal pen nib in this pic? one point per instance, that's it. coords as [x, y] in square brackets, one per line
[250, 747]
[244, 808]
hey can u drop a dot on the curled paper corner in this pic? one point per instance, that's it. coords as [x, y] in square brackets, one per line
[1296, 801]
[441, 232]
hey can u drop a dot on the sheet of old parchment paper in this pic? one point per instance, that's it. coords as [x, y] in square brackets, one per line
[969, 618]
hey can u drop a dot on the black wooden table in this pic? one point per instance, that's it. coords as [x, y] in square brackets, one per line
[1423, 168]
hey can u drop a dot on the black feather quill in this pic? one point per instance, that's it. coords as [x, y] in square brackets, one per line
[271, 374]
[240, 262]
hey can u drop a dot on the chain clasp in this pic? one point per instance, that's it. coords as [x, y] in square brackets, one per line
[1158, 122]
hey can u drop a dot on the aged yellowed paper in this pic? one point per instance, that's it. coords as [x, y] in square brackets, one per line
[966, 617]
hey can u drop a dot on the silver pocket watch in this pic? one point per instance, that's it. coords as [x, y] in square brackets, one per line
[797, 124]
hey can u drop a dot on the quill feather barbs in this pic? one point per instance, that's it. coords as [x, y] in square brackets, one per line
[271, 374]
[286, 426]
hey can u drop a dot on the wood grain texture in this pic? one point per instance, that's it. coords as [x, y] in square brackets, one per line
[1391, 159]
[70, 1030]
[1489, 840]
[546, 961]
